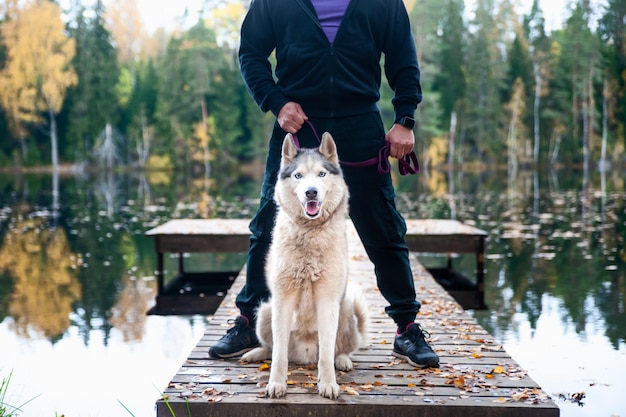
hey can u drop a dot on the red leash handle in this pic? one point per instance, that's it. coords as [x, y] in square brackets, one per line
[407, 165]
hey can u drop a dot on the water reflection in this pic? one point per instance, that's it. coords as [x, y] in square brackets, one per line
[568, 243]
[38, 264]
[84, 268]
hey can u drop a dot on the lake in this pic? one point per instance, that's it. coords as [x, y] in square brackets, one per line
[77, 278]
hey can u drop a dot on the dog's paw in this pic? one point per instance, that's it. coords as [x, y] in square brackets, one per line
[275, 390]
[256, 355]
[343, 363]
[328, 390]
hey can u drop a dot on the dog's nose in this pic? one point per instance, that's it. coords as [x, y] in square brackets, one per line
[311, 193]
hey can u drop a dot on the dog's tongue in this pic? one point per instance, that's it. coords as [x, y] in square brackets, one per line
[312, 207]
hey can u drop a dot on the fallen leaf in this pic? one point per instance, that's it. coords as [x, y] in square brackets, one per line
[459, 382]
[519, 396]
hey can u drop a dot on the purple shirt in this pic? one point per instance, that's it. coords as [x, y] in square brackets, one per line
[330, 13]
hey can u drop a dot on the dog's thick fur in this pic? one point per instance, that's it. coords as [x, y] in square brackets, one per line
[311, 316]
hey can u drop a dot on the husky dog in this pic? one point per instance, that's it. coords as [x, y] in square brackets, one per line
[312, 316]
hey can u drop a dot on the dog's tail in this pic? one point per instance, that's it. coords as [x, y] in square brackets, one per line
[361, 313]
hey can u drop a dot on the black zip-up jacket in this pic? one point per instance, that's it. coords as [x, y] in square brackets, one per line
[342, 79]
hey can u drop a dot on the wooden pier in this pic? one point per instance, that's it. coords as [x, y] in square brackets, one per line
[477, 378]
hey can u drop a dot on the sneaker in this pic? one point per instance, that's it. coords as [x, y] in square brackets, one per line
[413, 348]
[238, 340]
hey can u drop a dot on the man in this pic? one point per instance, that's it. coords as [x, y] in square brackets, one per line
[328, 73]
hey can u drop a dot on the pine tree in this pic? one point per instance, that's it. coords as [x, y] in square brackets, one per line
[520, 75]
[573, 85]
[189, 73]
[450, 79]
[612, 32]
[539, 47]
[483, 118]
[93, 102]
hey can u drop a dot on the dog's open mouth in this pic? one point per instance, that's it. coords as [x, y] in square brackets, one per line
[312, 208]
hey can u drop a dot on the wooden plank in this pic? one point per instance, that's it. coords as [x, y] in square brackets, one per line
[476, 378]
[441, 227]
[201, 235]
[224, 227]
[443, 236]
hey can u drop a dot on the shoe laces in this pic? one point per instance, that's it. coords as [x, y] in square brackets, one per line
[237, 325]
[417, 332]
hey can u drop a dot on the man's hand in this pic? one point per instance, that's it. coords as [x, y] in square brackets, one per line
[291, 117]
[402, 140]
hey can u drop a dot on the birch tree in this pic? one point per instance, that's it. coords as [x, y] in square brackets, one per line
[124, 22]
[37, 73]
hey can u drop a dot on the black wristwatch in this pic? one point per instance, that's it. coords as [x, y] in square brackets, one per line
[407, 121]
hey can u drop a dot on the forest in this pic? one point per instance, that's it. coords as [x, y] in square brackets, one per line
[88, 87]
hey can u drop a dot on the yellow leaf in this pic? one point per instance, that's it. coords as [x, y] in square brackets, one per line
[351, 391]
[500, 400]
[519, 396]
[498, 370]
[264, 367]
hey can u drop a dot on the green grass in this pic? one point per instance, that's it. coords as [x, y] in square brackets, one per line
[164, 397]
[6, 409]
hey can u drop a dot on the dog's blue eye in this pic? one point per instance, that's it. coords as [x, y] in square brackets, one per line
[297, 175]
[322, 174]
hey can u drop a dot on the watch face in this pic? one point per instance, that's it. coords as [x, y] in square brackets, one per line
[407, 122]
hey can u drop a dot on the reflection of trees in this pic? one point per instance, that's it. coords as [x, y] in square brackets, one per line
[566, 241]
[611, 297]
[6, 289]
[104, 248]
[129, 315]
[40, 264]
[562, 242]
[568, 260]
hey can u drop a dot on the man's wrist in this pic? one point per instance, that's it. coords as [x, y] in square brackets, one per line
[406, 121]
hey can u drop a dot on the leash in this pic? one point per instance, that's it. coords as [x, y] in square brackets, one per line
[407, 165]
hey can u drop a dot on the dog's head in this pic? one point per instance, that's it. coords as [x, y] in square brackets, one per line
[310, 182]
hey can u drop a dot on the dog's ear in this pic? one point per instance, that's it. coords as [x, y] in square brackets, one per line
[328, 148]
[289, 150]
